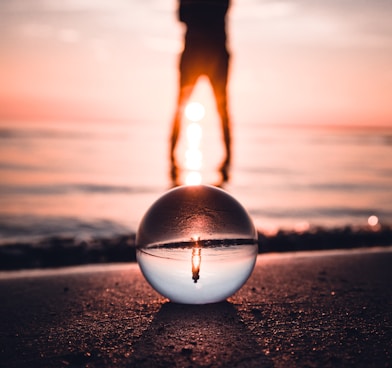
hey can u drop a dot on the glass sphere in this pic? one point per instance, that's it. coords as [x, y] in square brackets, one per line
[196, 245]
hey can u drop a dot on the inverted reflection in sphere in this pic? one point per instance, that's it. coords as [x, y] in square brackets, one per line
[196, 245]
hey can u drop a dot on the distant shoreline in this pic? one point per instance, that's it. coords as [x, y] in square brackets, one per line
[68, 251]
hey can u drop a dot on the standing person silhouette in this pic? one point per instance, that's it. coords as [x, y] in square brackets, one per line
[204, 54]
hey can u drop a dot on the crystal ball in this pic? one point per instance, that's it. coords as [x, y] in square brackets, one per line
[196, 245]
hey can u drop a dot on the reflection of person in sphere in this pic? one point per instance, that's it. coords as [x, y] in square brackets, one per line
[205, 54]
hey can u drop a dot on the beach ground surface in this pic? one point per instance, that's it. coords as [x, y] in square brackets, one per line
[307, 309]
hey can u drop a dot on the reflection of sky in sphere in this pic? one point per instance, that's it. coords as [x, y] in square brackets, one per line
[222, 272]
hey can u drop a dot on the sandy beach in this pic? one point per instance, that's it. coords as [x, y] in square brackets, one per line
[293, 120]
[327, 308]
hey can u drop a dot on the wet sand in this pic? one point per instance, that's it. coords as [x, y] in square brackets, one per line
[307, 309]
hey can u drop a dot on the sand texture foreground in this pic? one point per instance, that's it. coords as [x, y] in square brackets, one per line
[306, 309]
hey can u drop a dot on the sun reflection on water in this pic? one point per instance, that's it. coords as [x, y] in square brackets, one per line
[193, 154]
[193, 178]
[197, 149]
[194, 111]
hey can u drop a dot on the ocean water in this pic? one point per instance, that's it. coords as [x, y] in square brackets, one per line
[98, 179]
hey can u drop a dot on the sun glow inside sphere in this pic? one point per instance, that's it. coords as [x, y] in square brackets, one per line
[196, 269]
[194, 111]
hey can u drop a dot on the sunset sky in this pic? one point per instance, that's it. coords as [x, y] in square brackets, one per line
[300, 61]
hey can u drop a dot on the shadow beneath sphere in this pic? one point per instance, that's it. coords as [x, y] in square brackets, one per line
[198, 335]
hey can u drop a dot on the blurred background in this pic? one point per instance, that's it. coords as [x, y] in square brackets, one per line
[88, 90]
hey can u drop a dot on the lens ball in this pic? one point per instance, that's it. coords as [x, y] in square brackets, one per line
[196, 245]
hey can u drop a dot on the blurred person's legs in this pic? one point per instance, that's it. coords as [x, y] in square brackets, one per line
[188, 79]
[215, 66]
[218, 76]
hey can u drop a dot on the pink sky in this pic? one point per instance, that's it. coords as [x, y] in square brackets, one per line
[293, 61]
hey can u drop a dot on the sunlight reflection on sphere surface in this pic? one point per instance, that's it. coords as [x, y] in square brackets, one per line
[196, 245]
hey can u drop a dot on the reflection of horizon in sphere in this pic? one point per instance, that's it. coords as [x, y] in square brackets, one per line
[196, 245]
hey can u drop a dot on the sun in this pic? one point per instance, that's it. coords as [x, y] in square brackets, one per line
[194, 111]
